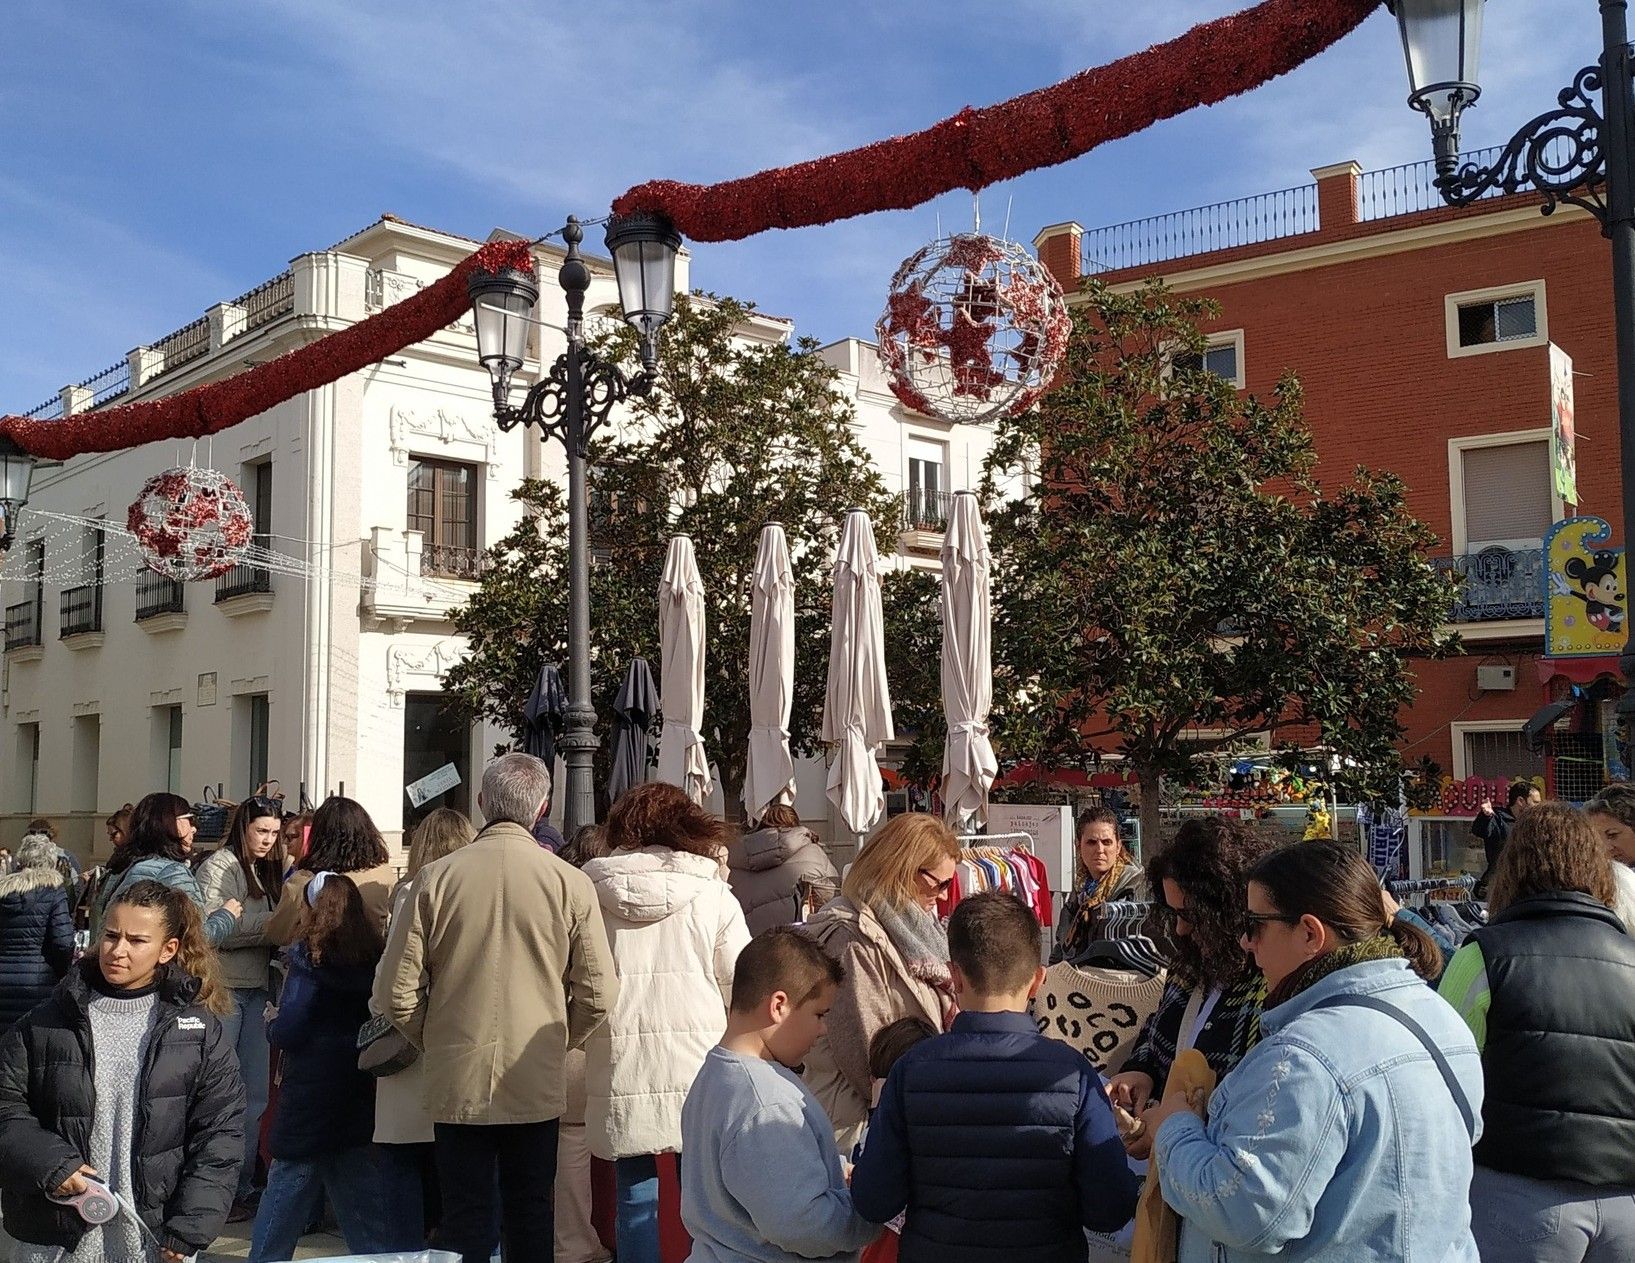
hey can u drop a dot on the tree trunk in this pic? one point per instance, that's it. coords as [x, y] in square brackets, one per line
[1151, 781]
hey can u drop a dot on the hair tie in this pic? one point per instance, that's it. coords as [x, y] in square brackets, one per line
[317, 884]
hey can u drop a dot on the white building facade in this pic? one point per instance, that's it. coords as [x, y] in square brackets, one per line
[382, 490]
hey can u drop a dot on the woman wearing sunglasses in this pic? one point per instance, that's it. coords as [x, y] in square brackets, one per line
[1213, 996]
[1345, 1133]
[883, 929]
[161, 838]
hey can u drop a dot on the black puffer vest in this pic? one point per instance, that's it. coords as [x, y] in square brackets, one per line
[1559, 1063]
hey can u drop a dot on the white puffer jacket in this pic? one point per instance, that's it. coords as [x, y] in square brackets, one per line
[676, 931]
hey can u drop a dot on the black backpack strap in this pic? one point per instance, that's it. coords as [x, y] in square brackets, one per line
[1420, 1033]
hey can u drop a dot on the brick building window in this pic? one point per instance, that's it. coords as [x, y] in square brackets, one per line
[443, 508]
[1223, 356]
[1502, 493]
[1501, 319]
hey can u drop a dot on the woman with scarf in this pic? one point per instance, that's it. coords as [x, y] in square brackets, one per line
[1345, 1133]
[883, 929]
[1106, 872]
[1212, 999]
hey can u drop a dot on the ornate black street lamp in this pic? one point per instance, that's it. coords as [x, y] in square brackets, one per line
[570, 403]
[1574, 154]
[16, 472]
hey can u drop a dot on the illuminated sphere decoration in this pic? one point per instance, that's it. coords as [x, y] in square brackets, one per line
[191, 523]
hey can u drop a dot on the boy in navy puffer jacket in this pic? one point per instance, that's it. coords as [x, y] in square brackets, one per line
[1000, 1143]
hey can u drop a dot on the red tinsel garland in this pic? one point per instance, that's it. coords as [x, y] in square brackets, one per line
[976, 148]
[214, 407]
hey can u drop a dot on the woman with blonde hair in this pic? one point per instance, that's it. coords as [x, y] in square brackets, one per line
[884, 931]
[1105, 872]
[404, 1136]
[1548, 990]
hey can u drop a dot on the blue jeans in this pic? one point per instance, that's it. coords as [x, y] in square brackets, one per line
[352, 1179]
[247, 1032]
[637, 1209]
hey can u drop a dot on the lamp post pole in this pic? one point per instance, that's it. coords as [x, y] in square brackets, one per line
[1575, 154]
[570, 403]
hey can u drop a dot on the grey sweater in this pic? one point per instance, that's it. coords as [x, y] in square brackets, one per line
[120, 1030]
[761, 1180]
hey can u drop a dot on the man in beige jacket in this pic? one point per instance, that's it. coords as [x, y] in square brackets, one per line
[499, 965]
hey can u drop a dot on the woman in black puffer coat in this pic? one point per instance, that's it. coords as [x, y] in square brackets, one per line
[36, 930]
[125, 1075]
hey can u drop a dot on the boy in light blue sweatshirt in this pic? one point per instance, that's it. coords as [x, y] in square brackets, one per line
[761, 1179]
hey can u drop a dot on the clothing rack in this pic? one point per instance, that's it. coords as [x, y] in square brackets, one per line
[1000, 861]
[1124, 918]
[1415, 892]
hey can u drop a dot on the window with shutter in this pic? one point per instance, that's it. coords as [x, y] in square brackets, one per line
[1507, 494]
[1506, 318]
[442, 506]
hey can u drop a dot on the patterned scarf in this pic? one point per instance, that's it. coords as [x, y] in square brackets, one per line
[1380, 947]
[919, 939]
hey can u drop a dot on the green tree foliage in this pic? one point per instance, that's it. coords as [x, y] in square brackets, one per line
[1178, 566]
[737, 432]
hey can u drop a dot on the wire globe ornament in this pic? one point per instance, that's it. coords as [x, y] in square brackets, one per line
[974, 329]
[191, 523]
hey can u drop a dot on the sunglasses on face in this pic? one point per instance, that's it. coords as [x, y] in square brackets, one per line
[1252, 921]
[943, 887]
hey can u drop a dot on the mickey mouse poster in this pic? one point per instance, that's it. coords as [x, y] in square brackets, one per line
[1586, 593]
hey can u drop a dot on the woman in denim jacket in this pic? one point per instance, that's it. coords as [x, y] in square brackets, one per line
[1345, 1133]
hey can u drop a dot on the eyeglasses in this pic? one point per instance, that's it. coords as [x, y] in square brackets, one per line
[943, 887]
[1252, 921]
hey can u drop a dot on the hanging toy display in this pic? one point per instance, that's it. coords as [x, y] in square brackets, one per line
[191, 523]
[974, 329]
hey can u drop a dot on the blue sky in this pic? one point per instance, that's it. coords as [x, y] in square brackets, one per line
[162, 157]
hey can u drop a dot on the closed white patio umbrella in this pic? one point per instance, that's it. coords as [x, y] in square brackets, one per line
[857, 701]
[769, 770]
[681, 672]
[968, 763]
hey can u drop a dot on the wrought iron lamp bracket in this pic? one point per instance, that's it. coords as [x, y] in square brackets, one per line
[1560, 154]
[546, 404]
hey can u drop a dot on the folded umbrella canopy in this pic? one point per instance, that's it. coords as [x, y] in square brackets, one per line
[968, 763]
[543, 714]
[856, 700]
[769, 770]
[633, 712]
[682, 760]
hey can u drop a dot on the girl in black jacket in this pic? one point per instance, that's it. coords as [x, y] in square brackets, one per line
[124, 1075]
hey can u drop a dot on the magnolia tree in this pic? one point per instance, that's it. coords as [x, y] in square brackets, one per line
[1180, 578]
[735, 433]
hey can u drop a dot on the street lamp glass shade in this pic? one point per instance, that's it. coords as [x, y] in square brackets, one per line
[1442, 41]
[501, 307]
[644, 249]
[16, 471]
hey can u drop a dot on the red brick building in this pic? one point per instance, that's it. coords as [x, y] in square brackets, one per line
[1421, 334]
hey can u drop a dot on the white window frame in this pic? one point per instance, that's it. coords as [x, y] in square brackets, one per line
[1451, 303]
[1219, 338]
[1459, 538]
[1460, 728]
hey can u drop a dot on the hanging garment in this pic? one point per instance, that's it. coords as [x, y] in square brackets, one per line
[1096, 1009]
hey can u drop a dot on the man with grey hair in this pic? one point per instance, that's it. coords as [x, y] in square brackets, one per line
[497, 965]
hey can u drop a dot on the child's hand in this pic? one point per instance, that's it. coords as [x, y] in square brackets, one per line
[1132, 1090]
[75, 1183]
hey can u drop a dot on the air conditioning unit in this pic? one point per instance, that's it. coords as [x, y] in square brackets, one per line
[1496, 679]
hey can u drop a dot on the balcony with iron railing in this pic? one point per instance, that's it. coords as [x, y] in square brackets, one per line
[158, 594]
[243, 581]
[1247, 221]
[926, 510]
[448, 561]
[80, 612]
[23, 625]
[1498, 583]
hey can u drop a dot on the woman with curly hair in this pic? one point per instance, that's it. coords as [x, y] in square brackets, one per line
[343, 840]
[1213, 998]
[676, 930]
[1547, 987]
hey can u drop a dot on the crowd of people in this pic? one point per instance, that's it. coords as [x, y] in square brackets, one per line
[1308, 1071]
